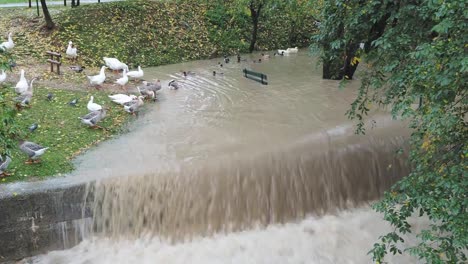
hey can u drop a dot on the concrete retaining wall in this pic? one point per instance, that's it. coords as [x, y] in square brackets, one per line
[37, 222]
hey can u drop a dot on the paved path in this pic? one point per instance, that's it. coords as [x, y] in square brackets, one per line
[25, 4]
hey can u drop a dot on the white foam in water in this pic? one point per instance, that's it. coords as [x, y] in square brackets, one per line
[343, 238]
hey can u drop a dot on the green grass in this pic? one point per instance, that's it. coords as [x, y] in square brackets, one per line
[60, 130]
[16, 1]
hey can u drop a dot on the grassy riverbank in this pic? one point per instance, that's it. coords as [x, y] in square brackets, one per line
[59, 129]
[140, 32]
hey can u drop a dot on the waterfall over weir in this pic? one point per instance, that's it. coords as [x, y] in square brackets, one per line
[239, 193]
[226, 170]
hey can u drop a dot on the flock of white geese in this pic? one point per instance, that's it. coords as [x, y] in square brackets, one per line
[131, 103]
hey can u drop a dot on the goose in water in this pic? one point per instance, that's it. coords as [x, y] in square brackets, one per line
[92, 106]
[8, 45]
[71, 52]
[3, 77]
[99, 79]
[33, 150]
[114, 64]
[24, 99]
[138, 74]
[146, 93]
[22, 84]
[134, 105]
[4, 166]
[153, 86]
[93, 118]
[173, 85]
[292, 50]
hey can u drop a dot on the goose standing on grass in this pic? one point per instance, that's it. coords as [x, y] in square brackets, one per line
[99, 79]
[8, 45]
[71, 52]
[123, 80]
[114, 64]
[33, 150]
[22, 86]
[136, 74]
[3, 77]
[4, 166]
[25, 98]
[173, 85]
[92, 106]
[122, 98]
[93, 118]
[134, 105]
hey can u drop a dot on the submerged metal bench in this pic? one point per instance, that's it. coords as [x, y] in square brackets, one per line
[256, 76]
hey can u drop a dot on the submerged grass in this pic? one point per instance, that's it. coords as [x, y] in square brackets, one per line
[60, 130]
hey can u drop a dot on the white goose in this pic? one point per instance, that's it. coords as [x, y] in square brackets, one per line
[71, 52]
[3, 77]
[98, 79]
[293, 50]
[22, 85]
[136, 74]
[24, 99]
[115, 64]
[123, 80]
[92, 106]
[122, 98]
[8, 45]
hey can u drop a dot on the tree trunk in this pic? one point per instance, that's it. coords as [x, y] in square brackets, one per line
[77, 2]
[255, 14]
[49, 23]
[73, 4]
[350, 63]
[64, 2]
[30, 4]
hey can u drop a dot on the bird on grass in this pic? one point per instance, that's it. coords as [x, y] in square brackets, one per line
[71, 51]
[114, 64]
[22, 84]
[33, 127]
[123, 80]
[77, 68]
[121, 98]
[98, 80]
[4, 163]
[3, 77]
[24, 99]
[92, 106]
[138, 74]
[73, 102]
[50, 96]
[93, 118]
[33, 150]
[8, 45]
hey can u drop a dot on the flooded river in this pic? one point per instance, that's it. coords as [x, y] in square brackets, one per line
[226, 170]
